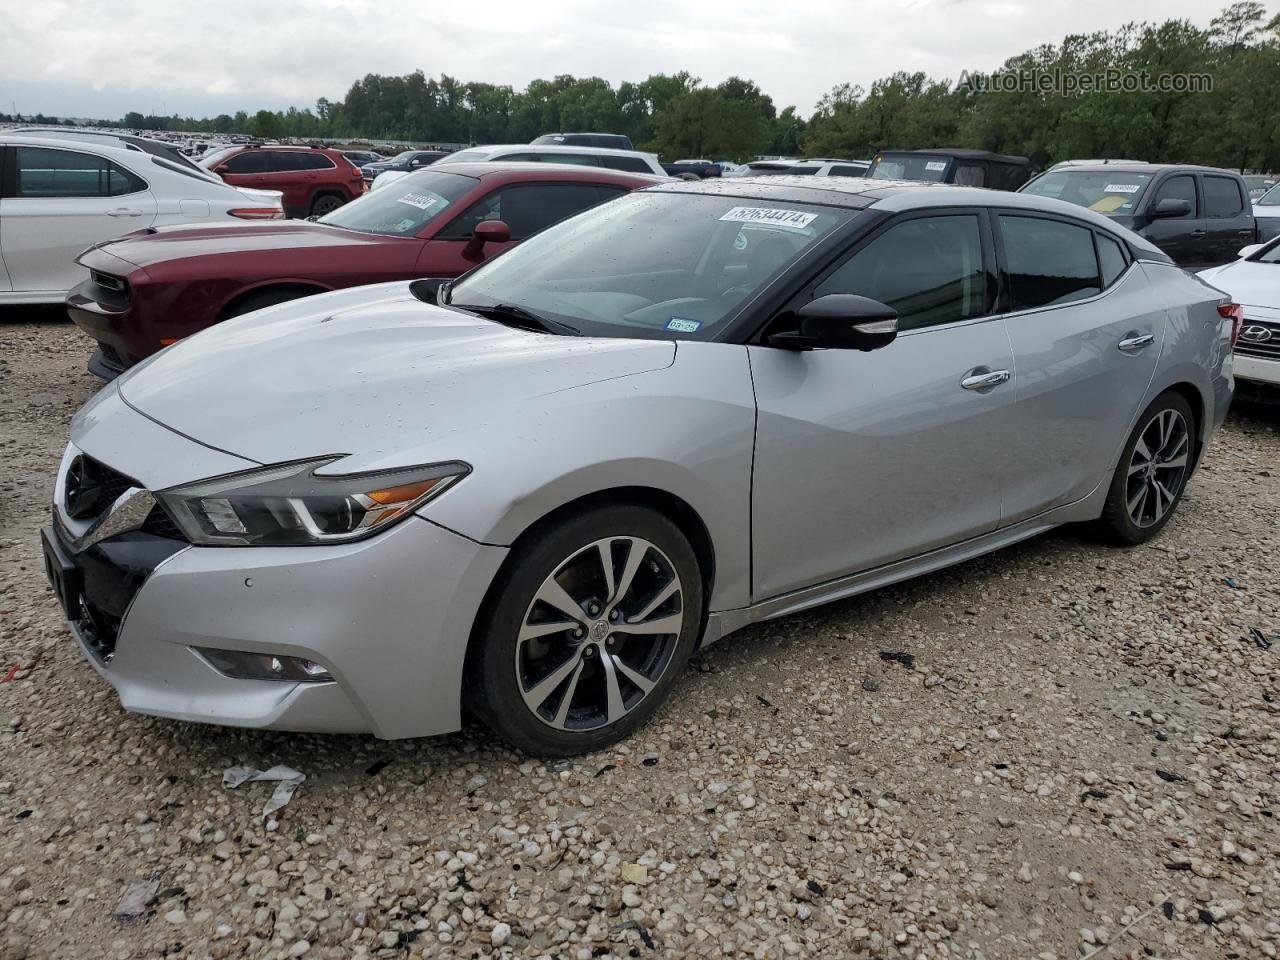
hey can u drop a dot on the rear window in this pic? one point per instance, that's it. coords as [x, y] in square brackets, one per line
[1104, 191]
[403, 208]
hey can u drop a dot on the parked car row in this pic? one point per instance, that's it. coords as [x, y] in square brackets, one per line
[532, 491]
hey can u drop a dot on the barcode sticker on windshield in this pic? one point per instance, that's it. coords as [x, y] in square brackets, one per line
[935, 165]
[419, 201]
[681, 325]
[770, 217]
[1120, 188]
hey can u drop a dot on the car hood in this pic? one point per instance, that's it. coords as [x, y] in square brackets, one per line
[158, 244]
[1247, 283]
[369, 372]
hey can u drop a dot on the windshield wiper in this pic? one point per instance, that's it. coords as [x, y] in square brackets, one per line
[516, 316]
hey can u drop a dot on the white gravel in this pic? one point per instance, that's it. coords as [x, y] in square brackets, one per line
[1077, 757]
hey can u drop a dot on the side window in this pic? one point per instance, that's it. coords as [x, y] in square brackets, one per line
[970, 175]
[280, 161]
[928, 269]
[1111, 259]
[1049, 262]
[1222, 197]
[837, 170]
[68, 173]
[251, 161]
[314, 161]
[525, 208]
[629, 164]
[1181, 187]
[521, 157]
[578, 159]
[121, 181]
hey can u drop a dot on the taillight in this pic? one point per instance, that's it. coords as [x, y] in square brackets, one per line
[1235, 313]
[257, 213]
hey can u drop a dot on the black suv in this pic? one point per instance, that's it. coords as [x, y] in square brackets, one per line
[1199, 216]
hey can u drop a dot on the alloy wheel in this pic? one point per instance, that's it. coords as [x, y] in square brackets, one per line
[1157, 468]
[599, 633]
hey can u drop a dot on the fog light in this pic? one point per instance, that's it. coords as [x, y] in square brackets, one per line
[241, 665]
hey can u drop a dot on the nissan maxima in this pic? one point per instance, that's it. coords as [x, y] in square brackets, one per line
[532, 493]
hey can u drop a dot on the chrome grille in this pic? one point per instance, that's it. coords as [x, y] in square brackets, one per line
[1264, 342]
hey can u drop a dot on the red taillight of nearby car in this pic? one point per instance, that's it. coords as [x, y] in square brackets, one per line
[1235, 313]
[257, 213]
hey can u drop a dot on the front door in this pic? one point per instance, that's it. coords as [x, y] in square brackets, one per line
[867, 458]
[64, 201]
[1182, 238]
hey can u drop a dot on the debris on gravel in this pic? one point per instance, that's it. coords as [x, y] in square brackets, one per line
[1060, 751]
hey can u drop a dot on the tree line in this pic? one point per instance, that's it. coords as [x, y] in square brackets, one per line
[1236, 123]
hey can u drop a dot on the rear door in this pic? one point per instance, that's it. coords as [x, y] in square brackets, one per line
[1086, 336]
[1182, 238]
[59, 202]
[1228, 216]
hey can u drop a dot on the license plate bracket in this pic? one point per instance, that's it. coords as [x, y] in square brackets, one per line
[64, 576]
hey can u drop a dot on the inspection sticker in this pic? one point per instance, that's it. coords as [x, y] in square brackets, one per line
[935, 165]
[419, 201]
[680, 325]
[1121, 188]
[770, 217]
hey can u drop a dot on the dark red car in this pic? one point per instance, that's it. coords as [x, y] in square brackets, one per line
[151, 288]
[314, 180]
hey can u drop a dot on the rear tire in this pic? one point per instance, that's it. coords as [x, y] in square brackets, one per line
[561, 660]
[1152, 474]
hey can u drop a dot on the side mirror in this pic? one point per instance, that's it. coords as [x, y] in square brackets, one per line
[221, 168]
[1170, 207]
[842, 321]
[1249, 251]
[486, 231]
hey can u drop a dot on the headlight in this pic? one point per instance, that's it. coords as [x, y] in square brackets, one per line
[289, 505]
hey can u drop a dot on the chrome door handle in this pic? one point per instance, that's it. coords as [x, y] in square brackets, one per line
[124, 212]
[983, 379]
[1136, 341]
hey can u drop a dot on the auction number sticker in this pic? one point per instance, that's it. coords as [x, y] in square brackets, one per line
[1121, 188]
[771, 217]
[935, 165]
[681, 325]
[419, 201]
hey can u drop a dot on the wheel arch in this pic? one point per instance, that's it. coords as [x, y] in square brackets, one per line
[303, 288]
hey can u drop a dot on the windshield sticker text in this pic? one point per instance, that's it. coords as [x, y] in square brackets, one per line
[419, 201]
[771, 217]
[935, 165]
[1120, 188]
[680, 325]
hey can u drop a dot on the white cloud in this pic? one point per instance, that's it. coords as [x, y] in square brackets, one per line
[195, 58]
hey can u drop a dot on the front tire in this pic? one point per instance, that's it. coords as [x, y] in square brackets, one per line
[326, 203]
[1152, 474]
[587, 632]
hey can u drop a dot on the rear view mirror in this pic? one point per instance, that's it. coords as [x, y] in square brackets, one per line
[1171, 207]
[842, 321]
[486, 231]
[1249, 251]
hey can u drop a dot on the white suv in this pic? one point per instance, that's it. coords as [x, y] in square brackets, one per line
[62, 196]
[631, 161]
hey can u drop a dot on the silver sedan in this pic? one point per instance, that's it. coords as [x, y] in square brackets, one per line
[536, 491]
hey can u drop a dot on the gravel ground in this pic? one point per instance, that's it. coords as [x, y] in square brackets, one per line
[1060, 751]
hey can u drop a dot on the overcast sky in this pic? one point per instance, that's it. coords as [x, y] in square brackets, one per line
[102, 58]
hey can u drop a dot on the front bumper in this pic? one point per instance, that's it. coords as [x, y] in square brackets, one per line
[1256, 369]
[389, 618]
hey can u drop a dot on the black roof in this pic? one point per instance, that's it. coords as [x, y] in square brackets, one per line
[962, 153]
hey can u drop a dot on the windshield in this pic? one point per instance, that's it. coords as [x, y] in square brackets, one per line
[404, 207]
[1269, 254]
[1104, 191]
[888, 166]
[656, 265]
[1271, 198]
[211, 160]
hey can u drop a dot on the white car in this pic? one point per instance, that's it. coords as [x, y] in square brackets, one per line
[817, 167]
[1266, 212]
[632, 161]
[63, 196]
[1253, 281]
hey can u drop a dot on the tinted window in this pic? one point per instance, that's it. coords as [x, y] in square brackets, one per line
[67, 173]
[838, 170]
[312, 161]
[971, 175]
[928, 269]
[281, 161]
[1049, 261]
[520, 157]
[525, 208]
[1181, 187]
[578, 159]
[629, 164]
[1222, 197]
[251, 161]
[1111, 259]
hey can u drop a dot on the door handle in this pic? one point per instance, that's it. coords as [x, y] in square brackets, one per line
[984, 379]
[1244, 233]
[124, 212]
[1136, 341]
[1197, 233]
